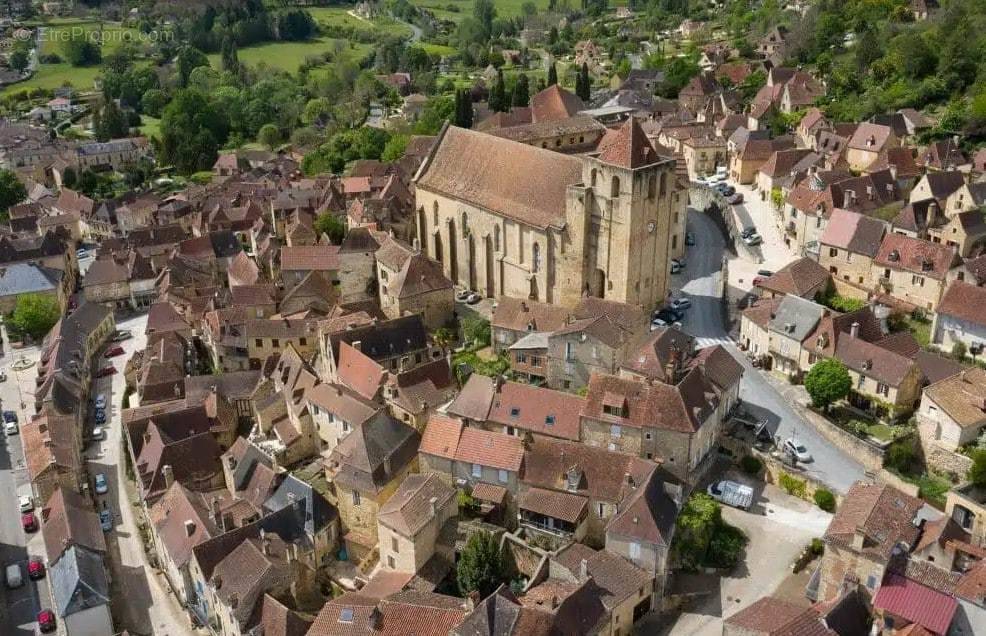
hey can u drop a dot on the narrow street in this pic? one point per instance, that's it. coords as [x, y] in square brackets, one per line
[705, 320]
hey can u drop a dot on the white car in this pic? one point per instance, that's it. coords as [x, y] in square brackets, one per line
[10, 428]
[681, 304]
[102, 486]
[101, 401]
[753, 239]
[796, 449]
[660, 322]
[99, 433]
[26, 503]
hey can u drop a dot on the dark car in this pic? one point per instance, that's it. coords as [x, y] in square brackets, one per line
[106, 371]
[36, 568]
[748, 231]
[29, 522]
[728, 191]
[46, 621]
[669, 315]
[9, 416]
[735, 199]
[113, 351]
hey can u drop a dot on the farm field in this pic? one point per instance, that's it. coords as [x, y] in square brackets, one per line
[287, 56]
[463, 8]
[339, 16]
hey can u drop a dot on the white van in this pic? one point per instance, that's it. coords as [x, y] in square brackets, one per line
[14, 576]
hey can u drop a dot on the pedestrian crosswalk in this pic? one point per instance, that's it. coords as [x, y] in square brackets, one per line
[708, 342]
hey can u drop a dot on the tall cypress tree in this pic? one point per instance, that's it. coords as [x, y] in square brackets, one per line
[552, 75]
[583, 86]
[499, 100]
[230, 59]
[521, 91]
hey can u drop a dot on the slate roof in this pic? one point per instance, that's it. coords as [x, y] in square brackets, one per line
[409, 509]
[796, 317]
[78, 582]
[27, 278]
[513, 180]
[374, 453]
[318, 511]
[385, 339]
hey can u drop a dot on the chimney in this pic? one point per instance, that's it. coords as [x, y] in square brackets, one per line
[854, 330]
[264, 542]
[189, 527]
[433, 504]
[169, 475]
[583, 570]
[357, 344]
[869, 192]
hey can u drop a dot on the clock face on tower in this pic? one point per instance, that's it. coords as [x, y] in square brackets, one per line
[650, 226]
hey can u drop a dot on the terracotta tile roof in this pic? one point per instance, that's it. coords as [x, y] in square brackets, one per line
[527, 315]
[854, 232]
[310, 258]
[618, 578]
[775, 617]
[277, 620]
[972, 584]
[441, 436]
[782, 161]
[682, 408]
[915, 255]
[874, 361]
[553, 503]
[488, 492]
[916, 603]
[70, 520]
[649, 512]
[527, 133]
[961, 397]
[627, 147]
[936, 367]
[419, 275]
[181, 523]
[719, 366]
[350, 614]
[555, 102]
[497, 450]
[513, 180]
[965, 302]
[651, 357]
[762, 312]
[801, 277]
[419, 613]
[537, 409]
[475, 398]
[882, 513]
[872, 137]
[342, 402]
[410, 508]
[49, 442]
[359, 372]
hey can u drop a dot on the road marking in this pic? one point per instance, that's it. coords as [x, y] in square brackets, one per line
[708, 342]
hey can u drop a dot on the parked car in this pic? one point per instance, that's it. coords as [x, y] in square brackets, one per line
[46, 621]
[735, 199]
[753, 239]
[10, 428]
[99, 433]
[36, 568]
[102, 486]
[765, 272]
[473, 298]
[747, 231]
[3, 376]
[120, 336]
[100, 417]
[731, 493]
[677, 265]
[660, 322]
[106, 520]
[100, 401]
[10, 416]
[681, 304]
[29, 522]
[462, 295]
[81, 252]
[793, 447]
[106, 371]
[13, 576]
[728, 191]
[25, 503]
[689, 238]
[114, 351]
[669, 314]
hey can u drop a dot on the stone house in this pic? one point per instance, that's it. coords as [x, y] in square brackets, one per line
[580, 133]
[582, 348]
[951, 414]
[770, 616]
[966, 506]
[961, 318]
[703, 155]
[754, 326]
[27, 278]
[413, 521]
[803, 277]
[411, 283]
[356, 265]
[524, 225]
[52, 454]
[336, 411]
[267, 338]
[849, 245]
[514, 318]
[884, 382]
[367, 467]
[781, 170]
[749, 157]
[674, 422]
[300, 260]
[913, 270]
[871, 523]
[398, 345]
[868, 143]
[949, 189]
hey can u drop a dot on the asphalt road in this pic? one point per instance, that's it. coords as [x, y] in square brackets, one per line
[705, 320]
[19, 607]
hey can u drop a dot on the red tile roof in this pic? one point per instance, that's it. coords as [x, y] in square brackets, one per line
[359, 372]
[537, 409]
[554, 102]
[553, 503]
[964, 301]
[496, 450]
[441, 436]
[775, 617]
[916, 603]
[310, 257]
[915, 255]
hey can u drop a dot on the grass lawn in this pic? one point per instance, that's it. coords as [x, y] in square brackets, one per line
[338, 16]
[150, 126]
[111, 34]
[933, 488]
[288, 56]
[437, 50]
[881, 432]
[920, 328]
[504, 8]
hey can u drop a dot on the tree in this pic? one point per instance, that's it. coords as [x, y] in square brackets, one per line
[110, 122]
[20, 60]
[696, 523]
[153, 102]
[499, 100]
[583, 84]
[332, 226]
[529, 8]
[35, 314]
[395, 148]
[484, 11]
[463, 109]
[81, 51]
[977, 472]
[69, 178]
[192, 131]
[12, 191]
[229, 57]
[189, 59]
[269, 135]
[480, 567]
[522, 90]
[827, 382]
[552, 75]
[137, 173]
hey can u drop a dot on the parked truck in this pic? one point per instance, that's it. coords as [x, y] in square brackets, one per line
[731, 493]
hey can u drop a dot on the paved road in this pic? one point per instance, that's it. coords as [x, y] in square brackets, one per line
[700, 282]
[19, 607]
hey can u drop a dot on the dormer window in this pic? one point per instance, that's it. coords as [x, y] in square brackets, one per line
[515, 412]
[549, 420]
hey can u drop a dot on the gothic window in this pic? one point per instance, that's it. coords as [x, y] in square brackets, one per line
[434, 214]
[614, 190]
[592, 178]
[664, 183]
[536, 258]
[651, 187]
[496, 238]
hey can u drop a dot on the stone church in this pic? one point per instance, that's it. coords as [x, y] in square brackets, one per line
[509, 219]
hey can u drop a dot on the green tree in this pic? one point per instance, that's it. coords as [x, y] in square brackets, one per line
[499, 100]
[552, 75]
[437, 111]
[395, 147]
[977, 472]
[35, 314]
[484, 11]
[522, 90]
[825, 500]
[583, 83]
[111, 123]
[81, 51]
[269, 136]
[230, 59]
[192, 131]
[332, 226]
[153, 102]
[189, 59]
[12, 191]
[317, 111]
[827, 382]
[20, 60]
[696, 524]
[481, 567]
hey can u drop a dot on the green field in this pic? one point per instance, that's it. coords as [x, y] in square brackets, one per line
[504, 8]
[436, 50]
[150, 126]
[51, 76]
[339, 16]
[288, 56]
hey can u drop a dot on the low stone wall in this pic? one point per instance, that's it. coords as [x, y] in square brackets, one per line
[774, 468]
[886, 477]
[866, 453]
[848, 290]
[944, 460]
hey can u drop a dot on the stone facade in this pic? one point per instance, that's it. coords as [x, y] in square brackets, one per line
[851, 267]
[837, 562]
[358, 511]
[923, 292]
